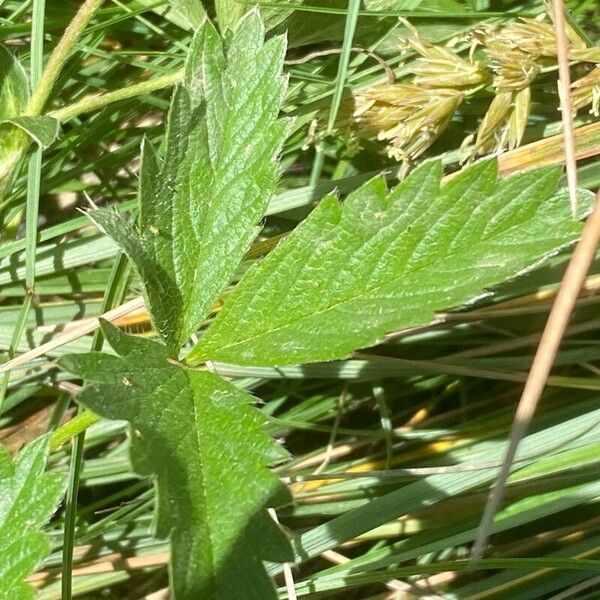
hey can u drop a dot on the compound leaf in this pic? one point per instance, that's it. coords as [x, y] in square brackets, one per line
[28, 498]
[201, 439]
[203, 194]
[385, 261]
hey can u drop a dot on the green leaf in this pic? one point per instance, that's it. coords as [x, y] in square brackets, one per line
[189, 13]
[14, 87]
[28, 498]
[43, 130]
[202, 196]
[386, 261]
[203, 441]
[229, 12]
[14, 93]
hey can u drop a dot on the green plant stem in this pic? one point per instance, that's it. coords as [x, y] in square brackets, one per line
[385, 418]
[71, 515]
[95, 101]
[43, 82]
[32, 214]
[37, 42]
[317, 167]
[72, 428]
[60, 408]
[14, 345]
[59, 56]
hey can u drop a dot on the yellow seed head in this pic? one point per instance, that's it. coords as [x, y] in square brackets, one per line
[493, 120]
[504, 122]
[532, 37]
[440, 67]
[513, 69]
[519, 115]
[586, 90]
[408, 117]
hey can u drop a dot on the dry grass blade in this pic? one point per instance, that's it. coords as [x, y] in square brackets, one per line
[549, 151]
[83, 329]
[564, 304]
[556, 325]
[564, 89]
[575, 589]
[287, 568]
[105, 564]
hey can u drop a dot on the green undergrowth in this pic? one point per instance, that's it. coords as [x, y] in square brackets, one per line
[329, 336]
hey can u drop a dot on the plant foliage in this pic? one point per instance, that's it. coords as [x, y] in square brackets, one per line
[200, 201]
[385, 261]
[202, 440]
[350, 273]
[203, 195]
[28, 498]
[14, 93]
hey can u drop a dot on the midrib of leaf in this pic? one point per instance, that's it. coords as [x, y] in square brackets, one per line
[482, 180]
[198, 424]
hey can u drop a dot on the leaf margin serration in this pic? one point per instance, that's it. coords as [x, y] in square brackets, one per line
[466, 210]
[145, 386]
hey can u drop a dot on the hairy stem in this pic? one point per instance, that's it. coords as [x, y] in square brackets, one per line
[95, 101]
[59, 57]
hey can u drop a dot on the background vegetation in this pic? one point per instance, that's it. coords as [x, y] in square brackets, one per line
[425, 414]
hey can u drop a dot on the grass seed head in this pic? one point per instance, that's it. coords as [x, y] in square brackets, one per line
[408, 117]
[532, 37]
[411, 116]
[513, 70]
[519, 114]
[504, 122]
[490, 133]
[586, 90]
[439, 67]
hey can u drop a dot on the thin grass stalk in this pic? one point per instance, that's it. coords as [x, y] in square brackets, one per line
[43, 84]
[71, 515]
[97, 101]
[34, 169]
[539, 373]
[59, 56]
[338, 91]
[566, 106]
[116, 291]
